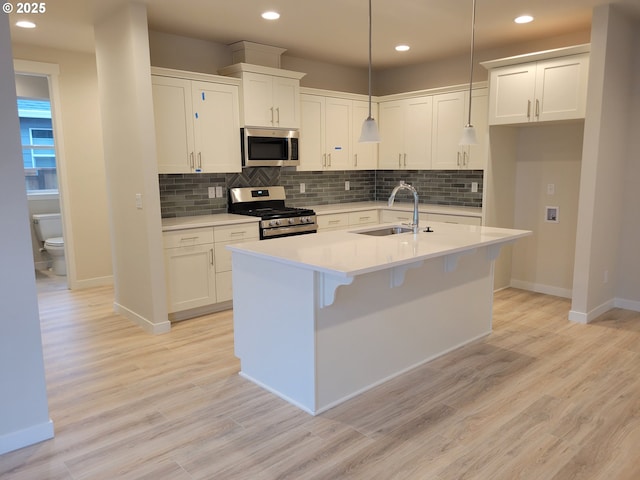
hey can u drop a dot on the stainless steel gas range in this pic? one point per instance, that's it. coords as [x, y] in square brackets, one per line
[268, 203]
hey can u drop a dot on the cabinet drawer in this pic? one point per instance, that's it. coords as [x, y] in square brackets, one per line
[439, 217]
[392, 216]
[242, 231]
[333, 221]
[363, 218]
[187, 238]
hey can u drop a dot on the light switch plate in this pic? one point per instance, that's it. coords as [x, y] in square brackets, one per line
[212, 192]
[219, 191]
[302, 188]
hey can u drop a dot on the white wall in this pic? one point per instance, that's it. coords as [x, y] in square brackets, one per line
[549, 154]
[24, 414]
[607, 138]
[628, 293]
[85, 206]
[124, 76]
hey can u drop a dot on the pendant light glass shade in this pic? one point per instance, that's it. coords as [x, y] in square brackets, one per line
[369, 132]
[469, 135]
[469, 132]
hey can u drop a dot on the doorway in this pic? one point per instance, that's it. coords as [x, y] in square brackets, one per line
[40, 160]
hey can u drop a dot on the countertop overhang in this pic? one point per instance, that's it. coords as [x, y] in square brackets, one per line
[347, 253]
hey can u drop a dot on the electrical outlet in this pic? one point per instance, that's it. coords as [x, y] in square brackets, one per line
[551, 189]
[347, 186]
[139, 201]
[474, 187]
[219, 191]
[212, 192]
[302, 188]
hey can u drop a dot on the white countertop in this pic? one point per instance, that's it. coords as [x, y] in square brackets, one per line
[398, 205]
[199, 221]
[346, 254]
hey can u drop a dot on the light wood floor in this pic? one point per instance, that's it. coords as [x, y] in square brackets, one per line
[540, 398]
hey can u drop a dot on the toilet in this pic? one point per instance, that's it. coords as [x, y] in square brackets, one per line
[48, 228]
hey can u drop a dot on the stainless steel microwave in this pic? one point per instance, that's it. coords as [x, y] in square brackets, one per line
[269, 147]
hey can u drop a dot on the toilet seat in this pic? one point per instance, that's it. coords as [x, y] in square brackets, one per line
[54, 242]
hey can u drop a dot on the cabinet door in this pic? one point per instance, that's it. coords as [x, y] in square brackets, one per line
[418, 122]
[173, 120]
[190, 277]
[448, 121]
[216, 127]
[391, 147]
[337, 127]
[364, 155]
[511, 94]
[258, 100]
[561, 88]
[311, 147]
[475, 156]
[286, 102]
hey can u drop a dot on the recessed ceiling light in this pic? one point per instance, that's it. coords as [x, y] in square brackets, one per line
[25, 24]
[523, 19]
[271, 15]
[402, 48]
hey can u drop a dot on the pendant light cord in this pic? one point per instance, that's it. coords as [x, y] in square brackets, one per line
[370, 59]
[473, 35]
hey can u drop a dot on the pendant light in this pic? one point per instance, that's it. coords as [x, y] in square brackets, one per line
[469, 131]
[369, 132]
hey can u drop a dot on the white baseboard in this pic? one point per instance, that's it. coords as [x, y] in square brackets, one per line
[633, 305]
[588, 317]
[28, 436]
[145, 324]
[541, 288]
[93, 282]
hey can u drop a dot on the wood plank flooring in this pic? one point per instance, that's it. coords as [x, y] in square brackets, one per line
[539, 398]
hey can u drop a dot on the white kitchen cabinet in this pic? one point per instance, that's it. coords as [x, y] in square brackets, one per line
[271, 101]
[325, 133]
[398, 216]
[364, 155]
[461, 219]
[450, 115]
[196, 124]
[363, 217]
[405, 134]
[545, 90]
[332, 221]
[189, 262]
[225, 235]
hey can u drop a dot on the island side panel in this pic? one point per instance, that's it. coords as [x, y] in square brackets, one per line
[372, 332]
[273, 321]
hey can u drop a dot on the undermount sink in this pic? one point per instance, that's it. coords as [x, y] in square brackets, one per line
[383, 232]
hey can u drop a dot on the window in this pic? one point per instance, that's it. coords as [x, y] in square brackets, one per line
[38, 148]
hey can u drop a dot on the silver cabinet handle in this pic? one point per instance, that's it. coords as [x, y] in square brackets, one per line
[191, 164]
[199, 159]
[278, 115]
[329, 160]
[324, 159]
[184, 239]
[458, 161]
[537, 108]
[211, 253]
[528, 108]
[399, 160]
[465, 158]
[271, 115]
[405, 159]
[355, 160]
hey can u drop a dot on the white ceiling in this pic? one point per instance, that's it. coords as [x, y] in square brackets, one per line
[333, 31]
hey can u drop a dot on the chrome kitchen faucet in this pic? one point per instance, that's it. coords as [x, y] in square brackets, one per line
[405, 186]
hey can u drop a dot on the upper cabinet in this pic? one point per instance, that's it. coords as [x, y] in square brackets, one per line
[547, 89]
[405, 133]
[270, 96]
[450, 115]
[196, 123]
[329, 131]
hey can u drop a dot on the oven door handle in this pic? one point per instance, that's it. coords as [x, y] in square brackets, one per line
[280, 231]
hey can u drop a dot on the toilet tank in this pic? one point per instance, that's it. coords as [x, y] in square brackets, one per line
[47, 225]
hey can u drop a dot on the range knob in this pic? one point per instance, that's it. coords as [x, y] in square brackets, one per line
[305, 220]
[274, 223]
[292, 221]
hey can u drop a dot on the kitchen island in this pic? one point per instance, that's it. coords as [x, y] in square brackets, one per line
[321, 318]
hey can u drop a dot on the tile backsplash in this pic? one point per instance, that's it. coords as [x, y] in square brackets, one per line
[188, 194]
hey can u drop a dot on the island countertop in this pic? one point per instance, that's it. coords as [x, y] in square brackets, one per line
[346, 253]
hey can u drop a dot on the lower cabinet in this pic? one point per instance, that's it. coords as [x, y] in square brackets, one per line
[396, 216]
[198, 266]
[462, 219]
[336, 221]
